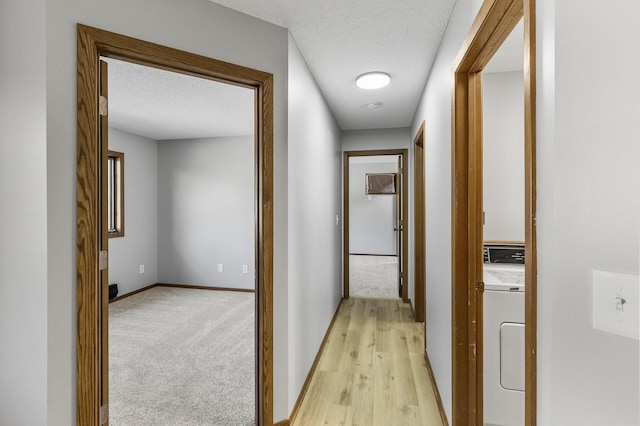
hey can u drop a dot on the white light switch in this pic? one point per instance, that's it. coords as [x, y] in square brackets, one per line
[141, 269]
[220, 267]
[245, 269]
[615, 303]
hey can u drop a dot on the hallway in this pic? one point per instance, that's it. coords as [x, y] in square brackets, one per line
[372, 370]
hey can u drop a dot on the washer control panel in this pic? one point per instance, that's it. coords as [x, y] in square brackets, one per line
[504, 253]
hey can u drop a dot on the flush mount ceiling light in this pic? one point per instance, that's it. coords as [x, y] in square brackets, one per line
[373, 80]
[374, 105]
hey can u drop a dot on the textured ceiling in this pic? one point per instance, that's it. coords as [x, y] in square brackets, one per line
[163, 105]
[341, 39]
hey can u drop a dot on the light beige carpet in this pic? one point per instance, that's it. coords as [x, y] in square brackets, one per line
[373, 276]
[182, 357]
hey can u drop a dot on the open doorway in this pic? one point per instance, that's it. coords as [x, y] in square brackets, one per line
[494, 22]
[92, 231]
[503, 233]
[182, 328]
[375, 206]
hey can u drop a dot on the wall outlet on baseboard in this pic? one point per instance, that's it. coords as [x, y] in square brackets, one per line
[220, 267]
[142, 269]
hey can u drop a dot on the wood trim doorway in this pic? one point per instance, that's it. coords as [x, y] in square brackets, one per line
[419, 237]
[92, 44]
[404, 209]
[492, 25]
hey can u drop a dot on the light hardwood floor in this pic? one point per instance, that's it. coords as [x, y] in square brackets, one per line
[372, 370]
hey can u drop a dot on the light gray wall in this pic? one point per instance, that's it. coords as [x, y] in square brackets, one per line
[503, 155]
[139, 246]
[371, 221]
[361, 140]
[435, 108]
[206, 212]
[315, 240]
[588, 209]
[197, 26]
[23, 216]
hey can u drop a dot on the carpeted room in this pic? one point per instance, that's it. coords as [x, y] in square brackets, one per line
[181, 355]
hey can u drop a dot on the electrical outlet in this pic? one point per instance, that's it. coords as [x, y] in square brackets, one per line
[615, 303]
[142, 269]
[245, 269]
[220, 267]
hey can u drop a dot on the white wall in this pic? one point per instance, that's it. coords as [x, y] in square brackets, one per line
[589, 207]
[206, 212]
[435, 108]
[139, 246]
[503, 155]
[371, 217]
[23, 216]
[315, 240]
[197, 26]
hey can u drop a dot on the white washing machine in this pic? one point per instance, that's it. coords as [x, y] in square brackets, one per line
[504, 343]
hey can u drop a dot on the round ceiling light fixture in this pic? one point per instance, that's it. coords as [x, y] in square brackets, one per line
[373, 80]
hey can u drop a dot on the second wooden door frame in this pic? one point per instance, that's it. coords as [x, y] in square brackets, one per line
[419, 237]
[494, 22]
[92, 44]
[405, 204]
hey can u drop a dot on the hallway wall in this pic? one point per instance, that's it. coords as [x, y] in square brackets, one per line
[315, 239]
[435, 109]
[23, 215]
[588, 207]
[361, 140]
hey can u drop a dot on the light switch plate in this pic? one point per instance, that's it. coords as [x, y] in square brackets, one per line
[615, 303]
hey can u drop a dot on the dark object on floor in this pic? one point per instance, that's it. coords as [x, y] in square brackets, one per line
[113, 291]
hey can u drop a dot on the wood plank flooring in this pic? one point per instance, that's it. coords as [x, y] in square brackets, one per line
[372, 370]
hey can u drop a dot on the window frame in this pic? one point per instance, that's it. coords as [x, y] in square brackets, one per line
[115, 198]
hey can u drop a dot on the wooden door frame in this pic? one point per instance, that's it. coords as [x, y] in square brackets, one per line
[494, 22]
[92, 44]
[419, 236]
[345, 207]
